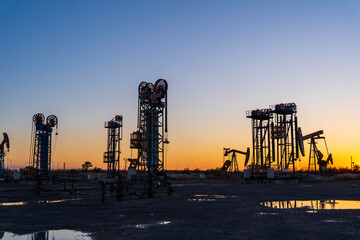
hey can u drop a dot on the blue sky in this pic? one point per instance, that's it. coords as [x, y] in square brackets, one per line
[83, 61]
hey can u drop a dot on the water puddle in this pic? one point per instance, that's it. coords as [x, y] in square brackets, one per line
[178, 185]
[333, 221]
[208, 198]
[63, 234]
[159, 223]
[264, 213]
[201, 200]
[40, 201]
[314, 204]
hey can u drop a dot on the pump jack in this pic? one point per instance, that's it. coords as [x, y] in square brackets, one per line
[232, 165]
[315, 156]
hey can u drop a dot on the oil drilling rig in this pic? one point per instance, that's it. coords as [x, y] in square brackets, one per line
[261, 121]
[274, 140]
[231, 165]
[5, 142]
[284, 137]
[315, 155]
[41, 144]
[112, 155]
[152, 134]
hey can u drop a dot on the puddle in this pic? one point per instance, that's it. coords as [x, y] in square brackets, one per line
[314, 204]
[63, 234]
[264, 213]
[333, 221]
[178, 185]
[40, 201]
[208, 198]
[159, 223]
[201, 200]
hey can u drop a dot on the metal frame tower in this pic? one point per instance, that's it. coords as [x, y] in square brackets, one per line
[261, 138]
[284, 136]
[112, 155]
[2, 154]
[42, 142]
[151, 136]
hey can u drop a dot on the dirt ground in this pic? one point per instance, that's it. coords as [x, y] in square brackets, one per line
[211, 209]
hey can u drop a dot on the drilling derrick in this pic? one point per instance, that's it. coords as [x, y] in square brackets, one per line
[112, 155]
[42, 142]
[284, 136]
[4, 143]
[262, 154]
[151, 136]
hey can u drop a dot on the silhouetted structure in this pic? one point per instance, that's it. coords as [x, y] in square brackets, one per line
[112, 155]
[315, 155]
[4, 143]
[151, 136]
[261, 120]
[42, 143]
[232, 165]
[284, 137]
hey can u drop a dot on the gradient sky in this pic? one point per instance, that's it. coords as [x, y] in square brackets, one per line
[83, 61]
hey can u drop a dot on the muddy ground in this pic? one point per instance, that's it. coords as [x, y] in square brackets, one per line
[220, 210]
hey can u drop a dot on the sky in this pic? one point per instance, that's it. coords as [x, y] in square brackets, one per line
[83, 62]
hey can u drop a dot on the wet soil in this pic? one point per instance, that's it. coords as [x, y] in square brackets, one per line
[197, 210]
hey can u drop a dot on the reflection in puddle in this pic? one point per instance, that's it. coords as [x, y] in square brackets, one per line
[47, 235]
[201, 200]
[152, 224]
[264, 213]
[314, 204]
[208, 198]
[40, 201]
[333, 221]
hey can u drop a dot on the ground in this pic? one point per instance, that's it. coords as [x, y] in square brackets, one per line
[193, 212]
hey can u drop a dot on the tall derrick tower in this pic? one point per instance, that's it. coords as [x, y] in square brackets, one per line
[112, 155]
[261, 120]
[151, 136]
[4, 143]
[284, 136]
[42, 143]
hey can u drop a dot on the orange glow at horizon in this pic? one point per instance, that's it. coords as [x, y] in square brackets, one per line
[193, 151]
